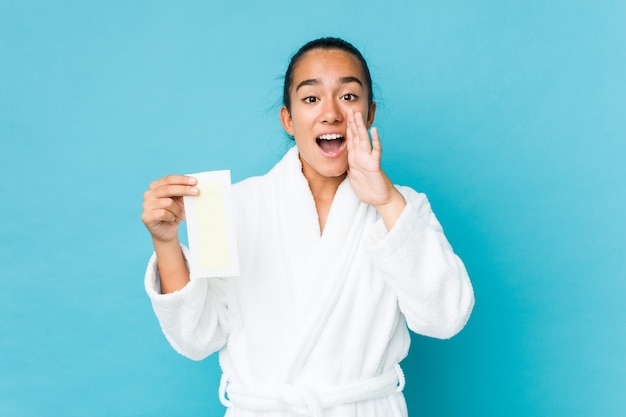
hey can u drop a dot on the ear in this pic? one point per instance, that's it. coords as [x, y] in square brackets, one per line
[286, 121]
[370, 115]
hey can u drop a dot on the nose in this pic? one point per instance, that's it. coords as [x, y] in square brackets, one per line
[331, 112]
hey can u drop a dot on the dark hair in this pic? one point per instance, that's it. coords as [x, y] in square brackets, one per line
[328, 43]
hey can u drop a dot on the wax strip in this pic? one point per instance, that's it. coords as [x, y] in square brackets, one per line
[211, 227]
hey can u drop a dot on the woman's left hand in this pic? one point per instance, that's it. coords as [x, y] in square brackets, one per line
[367, 179]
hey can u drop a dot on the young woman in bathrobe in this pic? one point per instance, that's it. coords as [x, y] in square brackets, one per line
[335, 262]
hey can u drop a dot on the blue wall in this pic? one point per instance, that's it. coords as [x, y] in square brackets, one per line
[510, 115]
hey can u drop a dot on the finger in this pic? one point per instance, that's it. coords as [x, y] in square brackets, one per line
[358, 116]
[377, 148]
[175, 207]
[158, 216]
[364, 137]
[351, 131]
[165, 215]
[174, 180]
[169, 191]
[157, 209]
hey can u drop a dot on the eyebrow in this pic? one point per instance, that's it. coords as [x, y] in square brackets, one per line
[342, 80]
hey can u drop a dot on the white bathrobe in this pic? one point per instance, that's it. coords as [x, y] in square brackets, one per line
[315, 325]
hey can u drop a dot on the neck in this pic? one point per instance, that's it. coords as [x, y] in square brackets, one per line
[322, 188]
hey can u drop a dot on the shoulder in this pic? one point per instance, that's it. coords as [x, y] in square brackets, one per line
[251, 189]
[249, 184]
[256, 189]
[266, 183]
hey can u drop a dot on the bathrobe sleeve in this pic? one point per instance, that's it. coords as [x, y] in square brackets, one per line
[194, 318]
[417, 262]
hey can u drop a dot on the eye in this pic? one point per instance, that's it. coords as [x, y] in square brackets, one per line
[349, 97]
[310, 99]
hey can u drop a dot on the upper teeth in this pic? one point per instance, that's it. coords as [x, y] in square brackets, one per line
[331, 136]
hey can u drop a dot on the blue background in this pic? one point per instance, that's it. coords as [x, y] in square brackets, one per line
[510, 115]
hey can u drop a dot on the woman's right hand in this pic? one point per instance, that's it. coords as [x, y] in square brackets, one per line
[163, 207]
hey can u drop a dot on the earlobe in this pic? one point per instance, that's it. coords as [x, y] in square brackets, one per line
[286, 121]
[370, 115]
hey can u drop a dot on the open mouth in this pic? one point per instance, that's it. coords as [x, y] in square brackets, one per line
[330, 143]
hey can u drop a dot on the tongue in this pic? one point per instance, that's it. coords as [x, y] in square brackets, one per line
[330, 145]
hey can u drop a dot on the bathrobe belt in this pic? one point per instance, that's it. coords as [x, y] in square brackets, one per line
[311, 402]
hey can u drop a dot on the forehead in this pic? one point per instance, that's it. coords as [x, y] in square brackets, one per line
[327, 63]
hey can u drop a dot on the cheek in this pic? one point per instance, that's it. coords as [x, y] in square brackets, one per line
[301, 120]
[359, 106]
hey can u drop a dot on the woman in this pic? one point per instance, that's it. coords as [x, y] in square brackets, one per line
[335, 262]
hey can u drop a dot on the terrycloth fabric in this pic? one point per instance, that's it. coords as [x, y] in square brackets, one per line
[316, 324]
[302, 401]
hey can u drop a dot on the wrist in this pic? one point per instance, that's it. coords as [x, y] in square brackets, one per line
[168, 244]
[391, 210]
[172, 267]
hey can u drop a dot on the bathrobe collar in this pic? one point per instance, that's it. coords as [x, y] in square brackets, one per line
[318, 264]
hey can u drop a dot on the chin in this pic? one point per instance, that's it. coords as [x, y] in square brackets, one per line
[334, 172]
